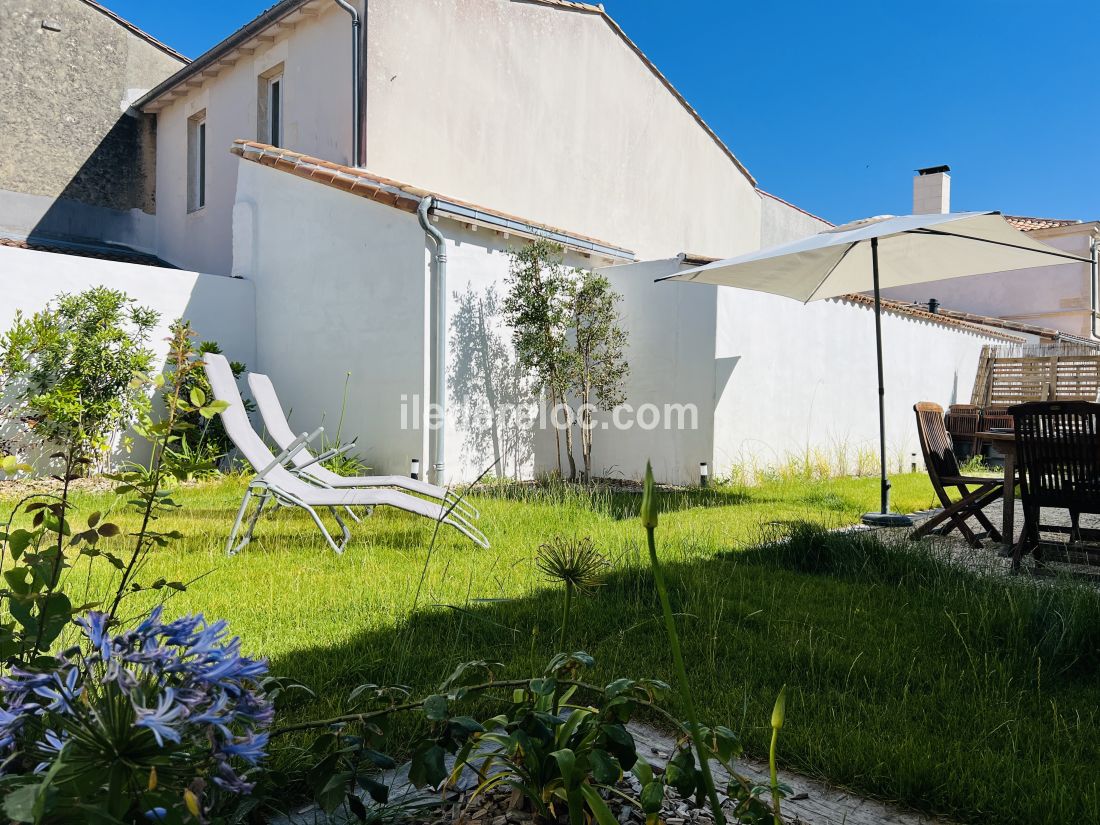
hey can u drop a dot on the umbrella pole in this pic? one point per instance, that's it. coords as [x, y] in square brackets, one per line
[883, 518]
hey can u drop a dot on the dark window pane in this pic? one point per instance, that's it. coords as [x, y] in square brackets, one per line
[276, 110]
[202, 165]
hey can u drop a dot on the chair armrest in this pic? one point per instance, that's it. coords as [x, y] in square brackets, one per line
[292, 449]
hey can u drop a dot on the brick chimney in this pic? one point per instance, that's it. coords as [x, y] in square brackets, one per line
[932, 190]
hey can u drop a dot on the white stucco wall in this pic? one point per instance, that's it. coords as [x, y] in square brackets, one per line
[545, 112]
[342, 286]
[316, 120]
[802, 380]
[1058, 297]
[671, 333]
[219, 308]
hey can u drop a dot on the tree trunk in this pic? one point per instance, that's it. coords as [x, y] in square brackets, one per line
[490, 390]
[586, 435]
[569, 440]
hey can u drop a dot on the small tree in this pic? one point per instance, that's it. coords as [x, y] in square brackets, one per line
[538, 309]
[73, 371]
[601, 366]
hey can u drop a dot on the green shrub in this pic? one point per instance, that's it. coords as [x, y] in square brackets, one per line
[73, 371]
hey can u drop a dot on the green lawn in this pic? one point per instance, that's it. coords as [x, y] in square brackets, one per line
[976, 698]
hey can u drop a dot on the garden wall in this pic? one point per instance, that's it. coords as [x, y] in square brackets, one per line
[798, 383]
[343, 293]
[219, 308]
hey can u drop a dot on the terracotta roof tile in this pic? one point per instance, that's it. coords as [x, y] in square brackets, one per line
[393, 193]
[974, 323]
[1031, 224]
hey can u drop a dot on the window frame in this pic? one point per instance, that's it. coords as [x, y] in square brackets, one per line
[275, 109]
[197, 133]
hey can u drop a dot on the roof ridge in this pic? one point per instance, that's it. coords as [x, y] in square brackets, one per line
[144, 35]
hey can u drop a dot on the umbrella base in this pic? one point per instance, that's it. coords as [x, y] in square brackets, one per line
[886, 520]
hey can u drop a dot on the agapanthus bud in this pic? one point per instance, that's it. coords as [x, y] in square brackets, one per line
[191, 801]
[780, 709]
[649, 500]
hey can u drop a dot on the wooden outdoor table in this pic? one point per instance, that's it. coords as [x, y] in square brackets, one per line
[1006, 446]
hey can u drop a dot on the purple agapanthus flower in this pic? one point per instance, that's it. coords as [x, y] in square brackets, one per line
[186, 681]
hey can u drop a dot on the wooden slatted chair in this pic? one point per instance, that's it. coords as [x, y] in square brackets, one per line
[994, 418]
[944, 473]
[1058, 456]
[963, 422]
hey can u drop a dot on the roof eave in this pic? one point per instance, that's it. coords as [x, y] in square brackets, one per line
[211, 56]
[407, 198]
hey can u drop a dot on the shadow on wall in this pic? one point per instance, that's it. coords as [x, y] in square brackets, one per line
[116, 178]
[491, 395]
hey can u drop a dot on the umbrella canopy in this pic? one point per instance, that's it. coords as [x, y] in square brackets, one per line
[912, 249]
[878, 253]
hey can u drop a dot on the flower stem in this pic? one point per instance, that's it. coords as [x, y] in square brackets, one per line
[568, 602]
[681, 676]
[775, 777]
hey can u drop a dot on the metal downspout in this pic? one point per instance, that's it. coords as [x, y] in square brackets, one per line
[1094, 247]
[439, 340]
[356, 82]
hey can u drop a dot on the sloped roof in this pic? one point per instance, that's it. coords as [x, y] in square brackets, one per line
[765, 194]
[1025, 224]
[972, 323]
[144, 35]
[104, 252]
[407, 198]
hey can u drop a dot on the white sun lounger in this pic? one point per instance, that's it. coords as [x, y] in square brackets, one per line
[273, 480]
[306, 465]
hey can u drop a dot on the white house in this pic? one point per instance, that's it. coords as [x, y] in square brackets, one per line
[328, 152]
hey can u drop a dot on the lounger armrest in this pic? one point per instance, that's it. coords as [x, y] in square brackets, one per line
[292, 449]
[325, 456]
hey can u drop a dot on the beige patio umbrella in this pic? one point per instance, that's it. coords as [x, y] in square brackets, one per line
[874, 254]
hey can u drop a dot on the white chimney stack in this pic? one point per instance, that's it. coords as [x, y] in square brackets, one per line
[932, 191]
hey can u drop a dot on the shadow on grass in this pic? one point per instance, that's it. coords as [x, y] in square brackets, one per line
[970, 696]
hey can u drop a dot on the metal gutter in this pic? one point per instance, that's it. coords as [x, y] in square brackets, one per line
[462, 212]
[357, 181]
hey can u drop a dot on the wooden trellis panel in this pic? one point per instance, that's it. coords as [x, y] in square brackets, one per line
[1004, 381]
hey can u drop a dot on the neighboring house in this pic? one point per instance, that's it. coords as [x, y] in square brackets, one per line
[77, 161]
[1064, 297]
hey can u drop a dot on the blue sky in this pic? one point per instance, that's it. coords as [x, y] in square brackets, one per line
[832, 105]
